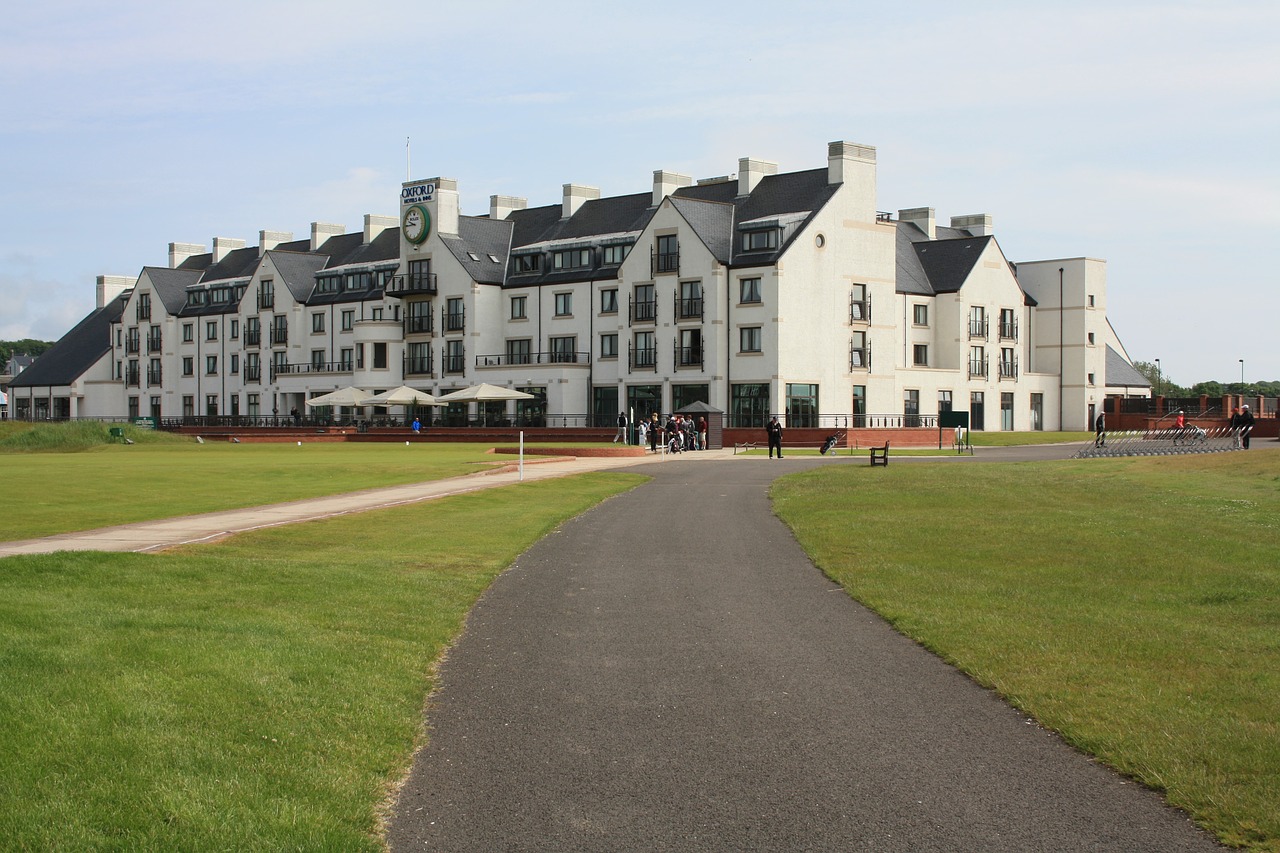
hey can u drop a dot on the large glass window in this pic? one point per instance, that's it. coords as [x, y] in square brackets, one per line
[690, 300]
[644, 400]
[532, 412]
[859, 405]
[564, 349]
[604, 406]
[686, 395]
[748, 404]
[977, 410]
[911, 407]
[1006, 411]
[520, 351]
[802, 405]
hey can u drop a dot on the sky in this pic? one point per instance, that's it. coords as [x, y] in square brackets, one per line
[1145, 134]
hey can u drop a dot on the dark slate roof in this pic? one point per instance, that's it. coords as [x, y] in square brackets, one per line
[238, 263]
[911, 277]
[483, 237]
[1121, 372]
[948, 263]
[298, 270]
[77, 350]
[340, 247]
[712, 222]
[171, 285]
[775, 195]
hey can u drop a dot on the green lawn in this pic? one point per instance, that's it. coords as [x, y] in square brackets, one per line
[47, 493]
[263, 693]
[1132, 605]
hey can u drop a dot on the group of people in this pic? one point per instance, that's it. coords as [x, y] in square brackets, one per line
[677, 433]
[1241, 425]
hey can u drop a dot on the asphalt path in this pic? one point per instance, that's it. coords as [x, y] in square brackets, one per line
[669, 671]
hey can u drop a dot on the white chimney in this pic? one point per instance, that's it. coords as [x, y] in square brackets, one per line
[375, 225]
[977, 224]
[111, 286]
[751, 171]
[574, 197]
[854, 167]
[322, 231]
[922, 218]
[223, 246]
[268, 240]
[445, 207]
[665, 183]
[501, 206]
[179, 252]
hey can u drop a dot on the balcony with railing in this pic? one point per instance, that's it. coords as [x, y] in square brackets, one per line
[412, 284]
[279, 335]
[645, 358]
[132, 375]
[978, 367]
[154, 376]
[154, 343]
[515, 359]
[312, 367]
[689, 309]
[1009, 331]
[253, 373]
[454, 363]
[978, 330]
[688, 358]
[266, 301]
[420, 324]
[664, 262]
[143, 311]
[132, 345]
[859, 357]
[644, 310]
[1009, 369]
[418, 365]
[453, 321]
[253, 337]
[860, 310]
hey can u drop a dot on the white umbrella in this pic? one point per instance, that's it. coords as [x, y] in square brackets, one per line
[481, 392]
[349, 396]
[403, 396]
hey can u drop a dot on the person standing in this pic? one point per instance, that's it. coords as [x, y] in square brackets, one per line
[702, 433]
[1100, 430]
[622, 428]
[654, 429]
[1246, 426]
[1234, 424]
[774, 430]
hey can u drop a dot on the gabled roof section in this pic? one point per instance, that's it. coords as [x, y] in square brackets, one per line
[948, 263]
[77, 350]
[171, 285]
[479, 241]
[385, 248]
[340, 248]
[1121, 373]
[911, 277]
[713, 223]
[239, 263]
[298, 270]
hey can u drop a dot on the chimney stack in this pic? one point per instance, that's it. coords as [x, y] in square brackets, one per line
[268, 240]
[574, 197]
[501, 206]
[179, 252]
[665, 183]
[854, 166]
[223, 246]
[751, 171]
[322, 231]
[922, 218]
[375, 225]
[977, 224]
[111, 286]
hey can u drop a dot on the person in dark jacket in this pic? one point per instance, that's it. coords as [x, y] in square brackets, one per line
[1100, 430]
[1246, 426]
[774, 430]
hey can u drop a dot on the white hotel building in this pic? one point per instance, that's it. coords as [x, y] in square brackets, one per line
[760, 293]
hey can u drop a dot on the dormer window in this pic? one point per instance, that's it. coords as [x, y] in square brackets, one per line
[760, 241]
[526, 263]
[572, 260]
[615, 254]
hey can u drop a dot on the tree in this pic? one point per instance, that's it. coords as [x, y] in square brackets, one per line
[26, 346]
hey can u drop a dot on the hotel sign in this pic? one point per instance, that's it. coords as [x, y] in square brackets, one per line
[417, 193]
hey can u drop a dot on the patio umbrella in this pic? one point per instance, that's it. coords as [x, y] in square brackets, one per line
[403, 396]
[483, 391]
[349, 396]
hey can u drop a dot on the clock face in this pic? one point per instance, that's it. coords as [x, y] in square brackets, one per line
[416, 224]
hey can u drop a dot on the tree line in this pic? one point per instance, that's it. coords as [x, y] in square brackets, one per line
[26, 346]
[1161, 384]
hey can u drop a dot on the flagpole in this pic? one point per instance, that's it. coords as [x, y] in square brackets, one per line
[408, 166]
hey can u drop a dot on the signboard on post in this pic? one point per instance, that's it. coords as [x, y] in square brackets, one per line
[958, 421]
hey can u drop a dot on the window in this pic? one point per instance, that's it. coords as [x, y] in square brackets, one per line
[859, 405]
[690, 300]
[978, 322]
[564, 349]
[760, 241]
[911, 407]
[564, 304]
[359, 280]
[266, 294]
[920, 355]
[348, 320]
[317, 322]
[188, 332]
[1090, 300]
[920, 315]
[188, 366]
[317, 360]
[690, 352]
[644, 306]
[379, 356]
[644, 354]
[454, 357]
[375, 314]
[1090, 378]
[252, 367]
[417, 358]
[210, 365]
[144, 306]
[749, 290]
[1006, 411]
[518, 307]
[345, 358]
[454, 319]
[571, 260]
[749, 339]
[252, 331]
[609, 346]
[944, 401]
[667, 254]
[254, 405]
[235, 328]
[1091, 339]
[615, 254]
[519, 351]
[802, 405]
[748, 405]
[211, 330]
[211, 405]
[235, 363]
[609, 301]
[418, 318]
[1008, 324]
[526, 264]
[1008, 364]
[977, 361]
[859, 356]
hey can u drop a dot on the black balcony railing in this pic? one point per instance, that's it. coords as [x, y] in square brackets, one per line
[978, 329]
[1009, 369]
[860, 310]
[154, 375]
[266, 301]
[689, 309]
[688, 357]
[454, 364]
[978, 367]
[455, 321]
[132, 376]
[645, 358]
[414, 283]
[279, 335]
[311, 367]
[419, 325]
[253, 337]
[660, 262]
[418, 365]
[253, 374]
[644, 310]
[153, 343]
[859, 357]
[143, 312]
[132, 345]
[1009, 331]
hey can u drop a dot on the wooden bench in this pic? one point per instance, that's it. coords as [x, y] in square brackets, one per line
[880, 455]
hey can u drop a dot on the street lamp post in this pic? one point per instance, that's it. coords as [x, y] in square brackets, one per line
[1242, 376]
[1157, 377]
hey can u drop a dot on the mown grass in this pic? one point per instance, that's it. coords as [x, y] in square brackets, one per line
[1132, 605]
[264, 693]
[108, 484]
[75, 436]
[982, 438]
